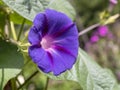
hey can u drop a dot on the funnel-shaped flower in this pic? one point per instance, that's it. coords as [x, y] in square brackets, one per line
[54, 42]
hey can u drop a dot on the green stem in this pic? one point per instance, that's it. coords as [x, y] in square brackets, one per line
[47, 83]
[21, 29]
[26, 36]
[13, 31]
[7, 27]
[13, 84]
[28, 79]
[18, 82]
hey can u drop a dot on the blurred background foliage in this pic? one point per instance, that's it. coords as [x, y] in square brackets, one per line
[106, 50]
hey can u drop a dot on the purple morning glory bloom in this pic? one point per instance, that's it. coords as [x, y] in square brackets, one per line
[103, 31]
[54, 42]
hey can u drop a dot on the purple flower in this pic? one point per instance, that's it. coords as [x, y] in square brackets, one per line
[114, 2]
[94, 39]
[112, 5]
[103, 31]
[54, 42]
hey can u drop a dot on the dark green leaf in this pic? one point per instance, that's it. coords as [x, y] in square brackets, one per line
[11, 62]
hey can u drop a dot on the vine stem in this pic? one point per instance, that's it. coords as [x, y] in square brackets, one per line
[47, 82]
[13, 30]
[88, 29]
[28, 79]
[13, 84]
[21, 29]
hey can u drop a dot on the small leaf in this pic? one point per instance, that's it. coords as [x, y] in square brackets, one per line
[111, 19]
[88, 74]
[29, 8]
[11, 62]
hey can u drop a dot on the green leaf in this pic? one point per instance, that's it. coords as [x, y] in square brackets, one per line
[17, 19]
[62, 6]
[89, 74]
[29, 8]
[11, 62]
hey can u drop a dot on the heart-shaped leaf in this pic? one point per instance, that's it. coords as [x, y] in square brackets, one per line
[88, 74]
[11, 62]
[29, 8]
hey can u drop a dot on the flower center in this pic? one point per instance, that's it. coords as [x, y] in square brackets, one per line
[46, 42]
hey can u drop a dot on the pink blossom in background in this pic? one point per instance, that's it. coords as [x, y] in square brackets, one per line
[94, 39]
[112, 5]
[113, 2]
[103, 31]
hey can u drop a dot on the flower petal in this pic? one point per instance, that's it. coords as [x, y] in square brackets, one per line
[67, 32]
[68, 40]
[56, 20]
[63, 30]
[40, 57]
[34, 37]
[61, 61]
[40, 22]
